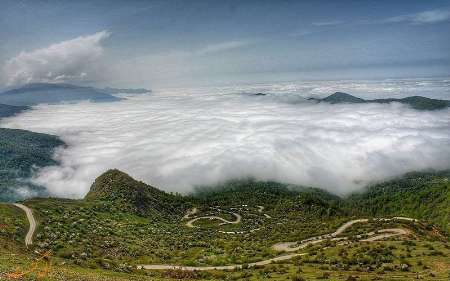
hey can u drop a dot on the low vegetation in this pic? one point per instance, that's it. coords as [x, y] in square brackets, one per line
[123, 223]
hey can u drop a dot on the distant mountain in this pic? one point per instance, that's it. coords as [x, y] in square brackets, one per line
[10, 110]
[340, 97]
[128, 194]
[22, 152]
[416, 102]
[36, 93]
[109, 90]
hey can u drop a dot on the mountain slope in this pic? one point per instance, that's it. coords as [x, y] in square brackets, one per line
[22, 152]
[279, 197]
[10, 110]
[110, 230]
[340, 97]
[36, 93]
[418, 102]
[126, 193]
[420, 195]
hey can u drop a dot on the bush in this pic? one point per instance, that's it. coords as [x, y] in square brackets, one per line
[298, 278]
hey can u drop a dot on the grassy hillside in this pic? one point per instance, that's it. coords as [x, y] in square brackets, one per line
[123, 223]
[136, 197]
[421, 195]
[22, 153]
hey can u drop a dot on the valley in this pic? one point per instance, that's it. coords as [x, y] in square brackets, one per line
[129, 230]
[224, 140]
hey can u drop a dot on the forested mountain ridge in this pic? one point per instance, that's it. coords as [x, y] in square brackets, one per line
[422, 195]
[416, 102]
[22, 152]
[11, 110]
[278, 197]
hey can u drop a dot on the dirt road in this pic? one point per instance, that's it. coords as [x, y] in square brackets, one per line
[291, 246]
[31, 221]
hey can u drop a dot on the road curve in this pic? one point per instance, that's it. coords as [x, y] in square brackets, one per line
[289, 247]
[31, 221]
[223, 267]
[224, 221]
[189, 213]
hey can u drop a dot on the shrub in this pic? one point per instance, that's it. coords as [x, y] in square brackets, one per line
[298, 278]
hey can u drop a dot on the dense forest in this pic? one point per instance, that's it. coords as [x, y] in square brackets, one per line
[22, 153]
[422, 195]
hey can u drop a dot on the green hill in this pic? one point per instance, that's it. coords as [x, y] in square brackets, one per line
[279, 197]
[340, 97]
[123, 223]
[22, 153]
[126, 193]
[418, 102]
[424, 195]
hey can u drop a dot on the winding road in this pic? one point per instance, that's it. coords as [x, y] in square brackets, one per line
[282, 246]
[224, 221]
[294, 246]
[291, 246]
[31, 221]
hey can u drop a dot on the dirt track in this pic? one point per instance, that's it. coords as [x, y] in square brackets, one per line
[224, 221]
[291, 246]
[31, 221]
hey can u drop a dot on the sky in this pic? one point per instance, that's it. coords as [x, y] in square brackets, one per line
[176, 43]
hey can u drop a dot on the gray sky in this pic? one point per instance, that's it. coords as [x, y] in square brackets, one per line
[173, 43]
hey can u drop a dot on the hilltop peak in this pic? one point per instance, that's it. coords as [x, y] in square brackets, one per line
[126, 193]
[340, 97]
[113, 184]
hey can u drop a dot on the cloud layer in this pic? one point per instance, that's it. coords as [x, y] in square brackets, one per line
[73, 60]
[178, 139]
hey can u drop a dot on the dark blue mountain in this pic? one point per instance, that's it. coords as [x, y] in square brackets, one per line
[52, 93]
[416, 102]
[10, 110]
[109, 90]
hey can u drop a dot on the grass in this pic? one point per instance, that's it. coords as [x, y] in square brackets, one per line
[97, 239]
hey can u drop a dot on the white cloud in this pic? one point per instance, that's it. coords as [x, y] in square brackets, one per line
[181, 138]
[72, 60]
[328, 23]
[222, 47]
[426, 17]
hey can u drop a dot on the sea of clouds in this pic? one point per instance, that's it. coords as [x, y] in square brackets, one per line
[176, 139]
